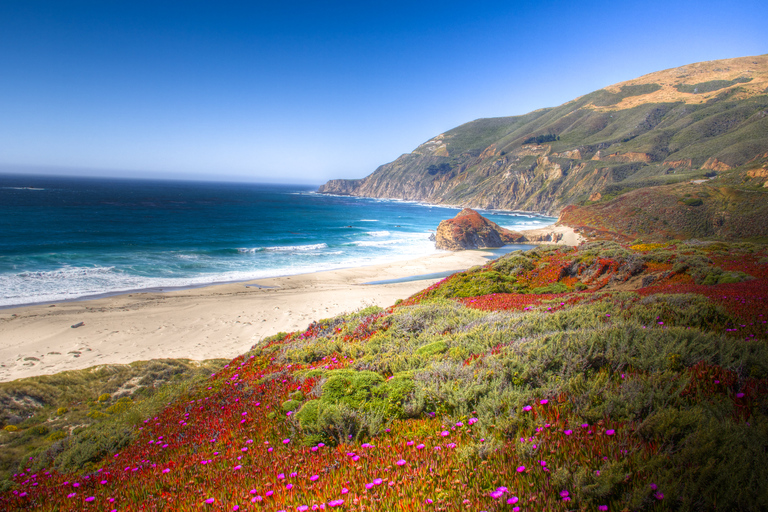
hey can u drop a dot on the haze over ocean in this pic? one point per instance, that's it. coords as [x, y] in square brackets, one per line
[67, 238]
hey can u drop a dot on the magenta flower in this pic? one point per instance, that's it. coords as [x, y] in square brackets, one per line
[313, 478]
[286, 441]
[288, 487]
[401, 462]
[369, 485]
[520, 469]
[527, 408]
[444, 433]
[302, 508]
[472, 421]
[544, 402]
[610, 432]
[602, 507]
[512, 500]
[419, 446]
[344, 490]
[568, 432]
[210, 500]
[90, 498]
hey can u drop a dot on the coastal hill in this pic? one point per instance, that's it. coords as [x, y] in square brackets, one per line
[706, 121]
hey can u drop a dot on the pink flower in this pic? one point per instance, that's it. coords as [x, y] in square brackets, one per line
[444, 433]
[602, 507]
[527, 408]
[288, 487]
[568, 432]
[512, 500]
[401, 462]
[313, 478]
[472, 421]
[544, 402]
[286, 441]
[210, 500]
[90, 498]
[344, 490]
[419, 446]
[610, 432]
[520, 469]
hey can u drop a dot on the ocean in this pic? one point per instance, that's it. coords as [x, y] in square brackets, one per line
[66, 238]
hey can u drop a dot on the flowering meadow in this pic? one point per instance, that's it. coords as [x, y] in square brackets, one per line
[609, 378]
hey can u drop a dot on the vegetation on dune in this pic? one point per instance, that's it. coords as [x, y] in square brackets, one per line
[73, 419]
[608, 377]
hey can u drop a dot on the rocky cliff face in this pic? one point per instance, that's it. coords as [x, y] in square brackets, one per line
[666, 127]
[470, 230]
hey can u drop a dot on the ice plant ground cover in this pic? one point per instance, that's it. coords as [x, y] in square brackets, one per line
[608, 377]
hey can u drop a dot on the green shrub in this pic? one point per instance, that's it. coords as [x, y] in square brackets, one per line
[290, 405]
[57, 435]
[432, 349]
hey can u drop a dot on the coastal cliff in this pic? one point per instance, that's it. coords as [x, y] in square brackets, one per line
[695, 122]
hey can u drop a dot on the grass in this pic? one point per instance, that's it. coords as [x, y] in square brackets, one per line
[61, 417]
[614, 397]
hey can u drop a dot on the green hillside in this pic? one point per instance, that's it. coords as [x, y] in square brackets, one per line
[608, 377]
[706, 120]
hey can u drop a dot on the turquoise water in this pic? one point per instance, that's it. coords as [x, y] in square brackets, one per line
[69, 238]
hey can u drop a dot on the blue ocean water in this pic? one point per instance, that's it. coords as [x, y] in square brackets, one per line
[64, 238]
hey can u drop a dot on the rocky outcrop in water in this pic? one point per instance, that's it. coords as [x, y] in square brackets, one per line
[470, 230]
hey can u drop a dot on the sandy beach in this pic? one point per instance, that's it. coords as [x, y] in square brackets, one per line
[219, 321]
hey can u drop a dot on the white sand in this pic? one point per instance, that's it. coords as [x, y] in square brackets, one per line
[221, 321]
[202, 323]
[570, 237]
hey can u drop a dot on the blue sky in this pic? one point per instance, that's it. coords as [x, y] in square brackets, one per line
[309, 91]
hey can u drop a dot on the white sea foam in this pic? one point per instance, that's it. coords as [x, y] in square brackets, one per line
[74, 283]
[362, 243]
[293, 248]
[377, 233]
[368, 220]
[284, 248]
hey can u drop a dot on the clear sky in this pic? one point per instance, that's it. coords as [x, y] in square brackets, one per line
[309, 91]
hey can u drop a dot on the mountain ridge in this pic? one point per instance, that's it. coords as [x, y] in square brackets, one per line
[698, 121]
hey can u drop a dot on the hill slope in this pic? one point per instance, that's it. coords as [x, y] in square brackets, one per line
[696, 121]
[605, 377]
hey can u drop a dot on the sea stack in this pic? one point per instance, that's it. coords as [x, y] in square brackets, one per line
[470, 230]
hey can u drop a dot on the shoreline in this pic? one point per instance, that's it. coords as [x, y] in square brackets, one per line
[213, 321]
[220, 320]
